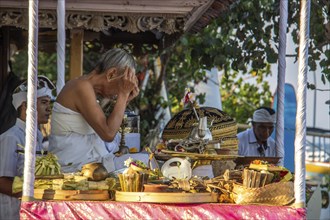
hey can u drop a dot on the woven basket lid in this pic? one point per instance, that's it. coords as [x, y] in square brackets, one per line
[181, 124]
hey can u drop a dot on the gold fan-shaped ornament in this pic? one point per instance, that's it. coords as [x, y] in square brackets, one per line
[181, 124]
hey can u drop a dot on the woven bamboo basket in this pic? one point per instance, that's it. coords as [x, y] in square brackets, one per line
[229, 143]
[281, 193]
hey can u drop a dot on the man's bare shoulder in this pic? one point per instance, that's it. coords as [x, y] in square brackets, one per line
[79, 84]
[73, 91]
[74, 88]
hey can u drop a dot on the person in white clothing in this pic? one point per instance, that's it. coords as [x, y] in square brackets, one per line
[79, 126]
[257, 141]
[12, 144]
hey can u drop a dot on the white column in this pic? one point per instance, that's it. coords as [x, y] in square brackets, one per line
[281, 82]
[31, 118]
[300, 139]
[60, 45]
[211, 89]
[163, 93]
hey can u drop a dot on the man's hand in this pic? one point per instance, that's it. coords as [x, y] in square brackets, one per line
[133, 94]
[127, 83]
[6, 184]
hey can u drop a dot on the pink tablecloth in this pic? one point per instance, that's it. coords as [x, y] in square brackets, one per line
[128, 210]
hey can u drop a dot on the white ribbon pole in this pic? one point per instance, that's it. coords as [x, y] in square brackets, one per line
[60, 45]
[300, 139]
[281, 81]
[163, 92]
[31, 118]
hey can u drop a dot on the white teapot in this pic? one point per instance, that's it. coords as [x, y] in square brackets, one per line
[178, 168]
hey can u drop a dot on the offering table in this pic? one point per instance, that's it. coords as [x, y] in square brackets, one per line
[134, 210]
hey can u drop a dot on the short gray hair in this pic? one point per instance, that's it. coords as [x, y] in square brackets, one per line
[115, 57]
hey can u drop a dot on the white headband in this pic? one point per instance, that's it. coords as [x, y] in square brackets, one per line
[20, 97]
[262, 115]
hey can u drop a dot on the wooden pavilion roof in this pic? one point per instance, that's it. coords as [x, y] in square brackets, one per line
[150, 22]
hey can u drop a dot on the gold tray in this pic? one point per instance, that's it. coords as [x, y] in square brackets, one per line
[166, 197]
[196, 156]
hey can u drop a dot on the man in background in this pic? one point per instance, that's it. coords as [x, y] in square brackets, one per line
[12, 144]
[257, 141]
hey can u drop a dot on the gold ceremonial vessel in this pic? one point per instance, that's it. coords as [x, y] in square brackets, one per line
[94, 171]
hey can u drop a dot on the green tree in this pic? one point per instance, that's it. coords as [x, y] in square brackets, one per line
[46, 64]
[242, 43]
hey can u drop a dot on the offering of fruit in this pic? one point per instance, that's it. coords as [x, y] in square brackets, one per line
[134, 177]
[264, 165]
[280, 174]
[136, 165]
[47, 165]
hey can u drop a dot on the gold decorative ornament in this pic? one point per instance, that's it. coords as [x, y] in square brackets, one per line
[179, 127]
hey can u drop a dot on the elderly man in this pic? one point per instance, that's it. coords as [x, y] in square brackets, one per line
[12, 144]
[256, 141]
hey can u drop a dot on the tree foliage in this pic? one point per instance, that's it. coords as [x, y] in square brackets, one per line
[242, 43]
[46, 64]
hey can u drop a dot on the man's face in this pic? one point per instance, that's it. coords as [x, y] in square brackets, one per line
[43, 109]
[263, 130]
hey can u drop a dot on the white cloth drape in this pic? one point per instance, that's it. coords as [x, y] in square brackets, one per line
[300, 137]
[31, 120]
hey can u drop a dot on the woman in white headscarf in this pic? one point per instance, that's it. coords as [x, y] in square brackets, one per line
[257, 141]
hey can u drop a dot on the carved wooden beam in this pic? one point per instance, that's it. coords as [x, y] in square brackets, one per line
[95, 21]
[116, 6]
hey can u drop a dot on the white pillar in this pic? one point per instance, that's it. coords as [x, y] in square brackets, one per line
[211, 89]
[31, 118]
[60, 45]
[163, 93]
[281, 82]
[300, 139]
